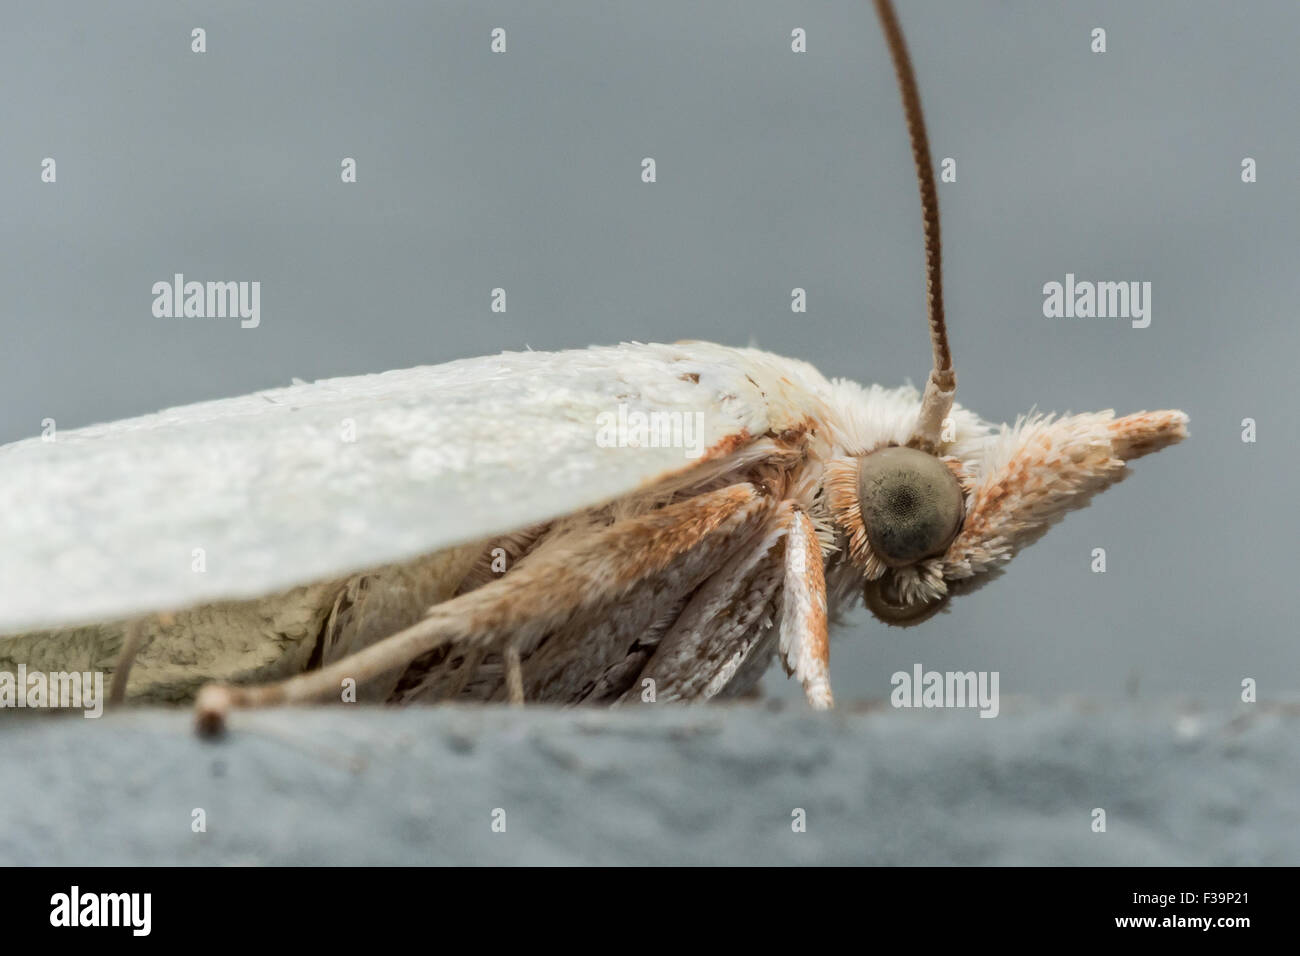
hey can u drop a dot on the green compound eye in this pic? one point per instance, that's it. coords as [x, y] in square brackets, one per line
[911, 504]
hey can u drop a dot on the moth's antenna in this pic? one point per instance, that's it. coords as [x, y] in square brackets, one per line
[942, 383]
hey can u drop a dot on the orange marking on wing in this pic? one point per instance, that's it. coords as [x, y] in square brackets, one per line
[648, 544]
[794, 435]
[727, 445]
[596, 567]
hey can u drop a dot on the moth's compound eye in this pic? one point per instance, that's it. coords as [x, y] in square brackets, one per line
[911, 504]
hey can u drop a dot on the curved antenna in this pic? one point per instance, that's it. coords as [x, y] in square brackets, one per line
[942, 383]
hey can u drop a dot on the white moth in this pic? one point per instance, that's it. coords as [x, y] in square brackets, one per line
[626, 523]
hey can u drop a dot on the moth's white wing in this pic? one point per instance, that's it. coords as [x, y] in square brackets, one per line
[106, 522]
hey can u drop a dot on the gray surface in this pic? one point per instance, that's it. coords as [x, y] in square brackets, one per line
[775, 170]
[702, 785]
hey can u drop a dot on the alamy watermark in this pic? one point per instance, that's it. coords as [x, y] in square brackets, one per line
[129, 910]
[53, 690]
[631, 428]
[179, 299]
[922, 688]
[1074, 299]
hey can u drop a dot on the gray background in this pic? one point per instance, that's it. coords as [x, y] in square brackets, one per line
[775, 170]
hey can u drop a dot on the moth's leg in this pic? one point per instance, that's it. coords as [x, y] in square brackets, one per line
[572, 575]
[507, 549]
[722, 622]
[514, 673]
[805, 641]
[468, 668]
[132, 641]
[717, 631]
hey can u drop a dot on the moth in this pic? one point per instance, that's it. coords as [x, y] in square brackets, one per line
[599, 526]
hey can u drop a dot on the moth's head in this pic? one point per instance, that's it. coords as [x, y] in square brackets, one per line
[933, 501]
[921, 525]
